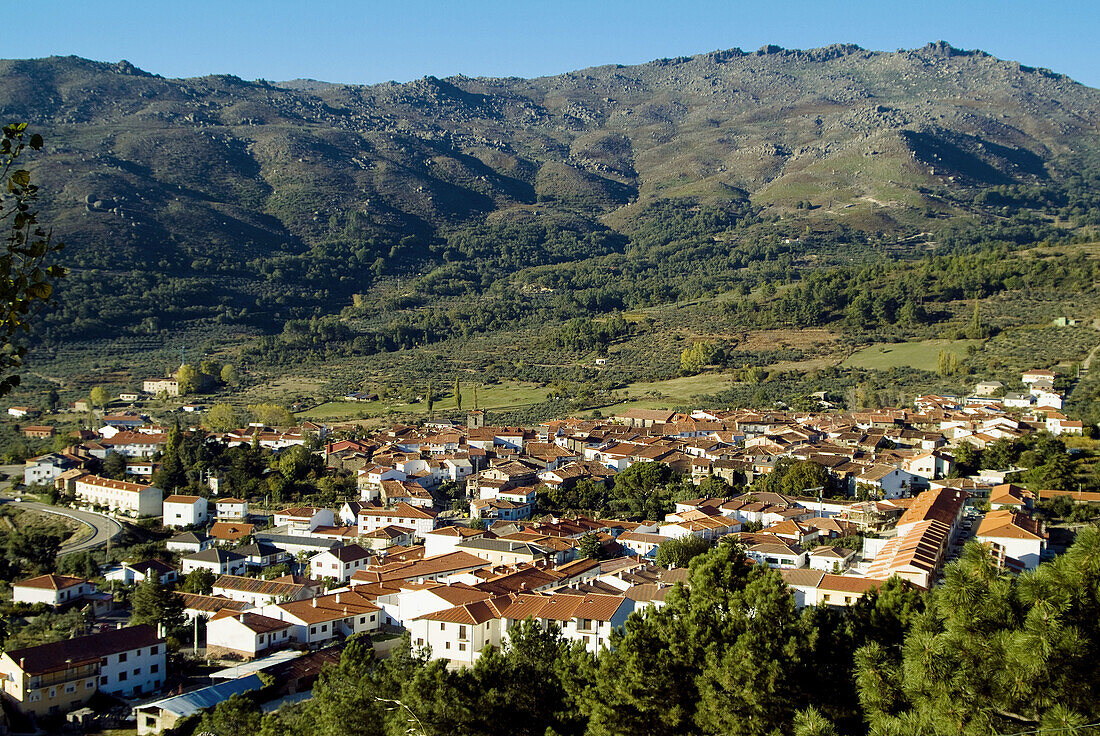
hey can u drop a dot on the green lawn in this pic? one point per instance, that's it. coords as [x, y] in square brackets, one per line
[923, 355]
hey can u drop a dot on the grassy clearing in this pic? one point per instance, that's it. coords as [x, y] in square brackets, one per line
[673, 392]
[923, 355]
[504, 395]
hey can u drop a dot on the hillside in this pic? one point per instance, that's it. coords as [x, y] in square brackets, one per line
[219, 204]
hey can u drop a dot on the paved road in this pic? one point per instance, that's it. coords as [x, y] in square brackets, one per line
[103, 527]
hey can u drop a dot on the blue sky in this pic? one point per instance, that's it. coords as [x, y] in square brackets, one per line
[367, 42]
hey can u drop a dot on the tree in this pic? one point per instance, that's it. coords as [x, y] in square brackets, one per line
[99, 397]
[458, 395]
[230, 376]
[680, 551]
[948, 363]
[189, 379]
[25, 271]
[221, 418]
[238, 715]
[271, 415]
[171, 474]
[200, 580]
[698, 356]
[81, 564]
[114, 466]
[155, 604]
[36, 548]
[431, 401]
[590, 546]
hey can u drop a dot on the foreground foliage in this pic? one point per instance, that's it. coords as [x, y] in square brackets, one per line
[731, 654]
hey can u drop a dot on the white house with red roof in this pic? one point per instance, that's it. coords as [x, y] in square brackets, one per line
[53, 590]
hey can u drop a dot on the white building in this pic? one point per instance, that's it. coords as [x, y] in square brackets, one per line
[339, 563]
[157, 386]
[246, 634]
[232, 509]
[216, 560]
[180, 510]
[420, 520]
[45, 468]
[304, 519]
[59, 677]
[53, 590]
[1012, 534]
[317, 620]
[133, 499]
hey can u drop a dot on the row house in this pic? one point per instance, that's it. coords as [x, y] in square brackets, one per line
[815, 588]
[318, 620]
[258, 593]
[459, 634]
[120, 496]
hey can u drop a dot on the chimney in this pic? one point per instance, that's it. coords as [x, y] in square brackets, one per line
[314, 602]
[337, 597]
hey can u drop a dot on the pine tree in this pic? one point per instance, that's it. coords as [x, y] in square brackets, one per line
[458, 394]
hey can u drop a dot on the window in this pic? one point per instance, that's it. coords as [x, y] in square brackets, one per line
[137, 672]
[324, 628]
[122, 677]
[89, 684]
[447, 645]
[103, 680]
[372, 618]
[362, 620]
[122, 658]
[35, 696]
[137, 652]
[462, 632]
[53, 692]
[313, 629]
[71, 687]
[462, 647]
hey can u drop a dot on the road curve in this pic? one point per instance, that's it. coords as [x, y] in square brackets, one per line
[104, 527]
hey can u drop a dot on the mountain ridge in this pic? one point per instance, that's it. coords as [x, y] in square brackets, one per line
[317, 194]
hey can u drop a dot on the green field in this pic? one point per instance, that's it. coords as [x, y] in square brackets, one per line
[673, 392]
[923, 355]
[500, 396]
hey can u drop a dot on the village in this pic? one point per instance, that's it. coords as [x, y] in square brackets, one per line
[452, 537]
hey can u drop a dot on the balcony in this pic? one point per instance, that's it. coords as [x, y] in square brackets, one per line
[60, 677]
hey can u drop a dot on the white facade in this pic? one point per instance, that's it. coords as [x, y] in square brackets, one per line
[66, 591]
[185, 510]
[459, 643]
[117, 495]
[230, 566]
[139, 671]
[228, 632]
[419, 520]
[329, 564]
